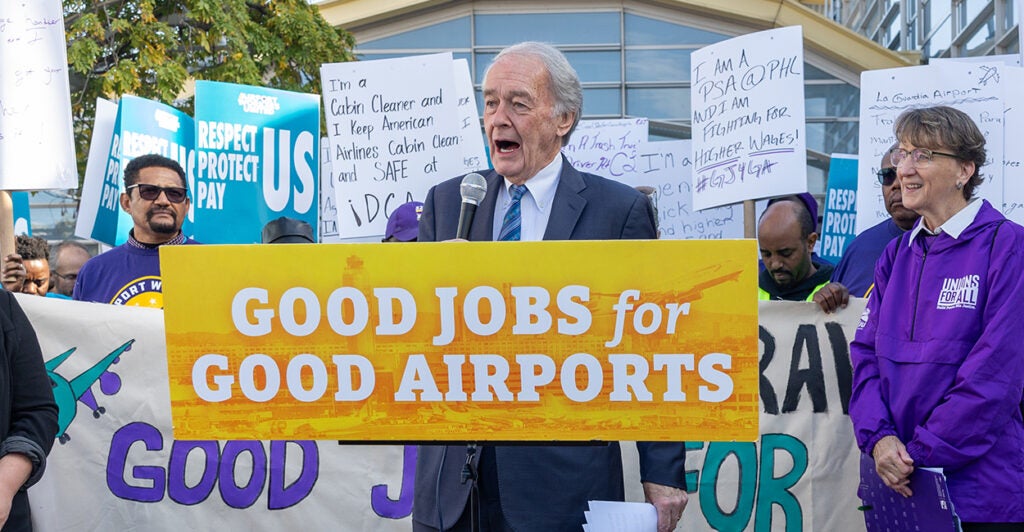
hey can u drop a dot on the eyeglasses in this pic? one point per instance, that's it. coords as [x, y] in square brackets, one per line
[71, 277]
[920, 156]
[152, 192]
[886, 176]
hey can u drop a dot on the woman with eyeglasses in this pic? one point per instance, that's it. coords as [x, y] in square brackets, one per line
[938, 369]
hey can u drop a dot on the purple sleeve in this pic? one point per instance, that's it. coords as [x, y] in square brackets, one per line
[987, 389]
[868, 411]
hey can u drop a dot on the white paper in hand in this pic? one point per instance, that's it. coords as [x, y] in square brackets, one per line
[611, 516]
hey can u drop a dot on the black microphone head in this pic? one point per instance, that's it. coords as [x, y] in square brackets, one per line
[473, 188]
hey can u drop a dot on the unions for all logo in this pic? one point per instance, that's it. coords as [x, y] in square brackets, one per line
[959, 292]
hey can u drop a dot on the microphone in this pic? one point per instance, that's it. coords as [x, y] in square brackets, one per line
[473, 190]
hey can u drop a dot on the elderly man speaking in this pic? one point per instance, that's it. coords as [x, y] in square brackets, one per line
[532, 103]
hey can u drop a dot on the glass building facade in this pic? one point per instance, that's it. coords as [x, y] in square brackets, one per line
[630, 64]
[935, 28]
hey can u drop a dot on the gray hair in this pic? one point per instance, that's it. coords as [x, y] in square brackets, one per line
[565, 83]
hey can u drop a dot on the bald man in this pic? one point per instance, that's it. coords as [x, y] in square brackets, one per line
[786, 237]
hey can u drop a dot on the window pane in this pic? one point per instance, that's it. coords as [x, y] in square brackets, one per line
[658, 65]
[937, 18]
[832, 137]
[981, 39]
[451, 34]
[603, 102]
[969, 10]
[659, 103]
[553, 28]
[482, 62]
[370, 56]
[597, 67]
[647, 31]
[831, 100]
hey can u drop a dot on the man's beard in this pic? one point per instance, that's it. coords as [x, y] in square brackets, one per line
[787, 282]
[162, 227]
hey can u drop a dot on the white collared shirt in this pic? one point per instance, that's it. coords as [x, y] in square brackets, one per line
[535, 205]
[955, 225]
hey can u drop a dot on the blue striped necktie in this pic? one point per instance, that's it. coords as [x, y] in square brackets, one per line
[512, 224]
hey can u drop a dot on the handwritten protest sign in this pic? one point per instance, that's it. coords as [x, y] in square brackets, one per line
[328, 229]
[607, 148]
[474, 156]
[394, 132]
[488, 341]
[37, 145]
[748, 118]
[618, 149]
[838, 227]
[974, 88]
[666, 167]
[142, 126]
[256, 159]
[1013, 157]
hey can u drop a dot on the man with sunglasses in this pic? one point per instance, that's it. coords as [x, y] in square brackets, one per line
[856, 269]
[156, 197]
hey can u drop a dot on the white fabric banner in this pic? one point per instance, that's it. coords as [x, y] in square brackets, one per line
[117, 466]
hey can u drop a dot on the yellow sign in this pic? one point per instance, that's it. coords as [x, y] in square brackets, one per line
[464, 341]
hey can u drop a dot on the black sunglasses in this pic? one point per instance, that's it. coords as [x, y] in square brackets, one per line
[886, 176]
[152, 192]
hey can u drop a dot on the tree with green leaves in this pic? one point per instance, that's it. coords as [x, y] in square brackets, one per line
[153, 48]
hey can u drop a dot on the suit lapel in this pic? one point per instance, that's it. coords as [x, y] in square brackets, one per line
[567, 205]
[483, 221]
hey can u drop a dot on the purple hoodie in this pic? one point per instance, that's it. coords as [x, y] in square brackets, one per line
[937, 362]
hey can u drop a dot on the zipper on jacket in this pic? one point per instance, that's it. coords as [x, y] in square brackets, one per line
[917, 294]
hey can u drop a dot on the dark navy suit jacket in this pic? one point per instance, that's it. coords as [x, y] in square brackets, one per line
[543, 487]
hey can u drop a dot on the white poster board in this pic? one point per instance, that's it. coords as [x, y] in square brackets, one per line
[394, 131]
[607, 148]
[37, 145]
[666, 167]
[974, 88]
[1013, 156]
[471, 139]
[328, 221]
[748, 131]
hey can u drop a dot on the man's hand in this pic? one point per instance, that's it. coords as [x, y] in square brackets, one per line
[893, 464]
[13, 275]
[832, 296]
[669, 501]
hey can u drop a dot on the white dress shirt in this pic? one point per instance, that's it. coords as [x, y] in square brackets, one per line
[534, 206]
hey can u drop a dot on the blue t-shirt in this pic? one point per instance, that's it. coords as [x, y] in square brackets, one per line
[126, 275]
[856, 270]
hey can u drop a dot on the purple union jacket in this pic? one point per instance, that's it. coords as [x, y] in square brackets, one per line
[938, 361]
